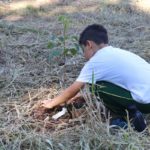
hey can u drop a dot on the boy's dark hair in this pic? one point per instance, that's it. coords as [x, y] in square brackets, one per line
[96, 33]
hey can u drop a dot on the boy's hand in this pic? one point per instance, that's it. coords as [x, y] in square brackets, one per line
[68, 93]
[47, 103]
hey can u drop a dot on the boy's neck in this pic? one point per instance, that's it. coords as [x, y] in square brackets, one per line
[99, 47]
[102, 46]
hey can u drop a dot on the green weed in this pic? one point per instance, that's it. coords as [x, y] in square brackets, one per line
[64, 44]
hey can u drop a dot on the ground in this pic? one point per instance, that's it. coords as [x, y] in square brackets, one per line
[30, 73]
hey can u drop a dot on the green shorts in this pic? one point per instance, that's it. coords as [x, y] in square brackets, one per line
[116, 98]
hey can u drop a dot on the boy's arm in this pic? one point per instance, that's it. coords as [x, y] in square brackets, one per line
[66, 95]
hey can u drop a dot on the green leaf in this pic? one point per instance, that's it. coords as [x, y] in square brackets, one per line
[73, 51]
[50, 45]
[65, 21]
[66, 51]
[77, 46]
[93, 86]
[69, 51]
[56, 53]
[75, 38]
[53, 54]
[61, 18]
[61, 38]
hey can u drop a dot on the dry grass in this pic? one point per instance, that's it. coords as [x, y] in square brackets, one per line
[28, 75]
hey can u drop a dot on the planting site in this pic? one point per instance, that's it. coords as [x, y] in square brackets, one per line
[40, 57]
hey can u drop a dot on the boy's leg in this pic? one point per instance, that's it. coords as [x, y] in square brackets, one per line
[118, 100]
[114, 97]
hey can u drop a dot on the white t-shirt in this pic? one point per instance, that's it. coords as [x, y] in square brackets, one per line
[121, 68]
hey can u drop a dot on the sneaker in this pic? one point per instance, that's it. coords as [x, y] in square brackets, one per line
[137, 119]
[119, 122]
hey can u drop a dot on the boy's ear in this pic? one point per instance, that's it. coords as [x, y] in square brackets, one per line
[89, 43]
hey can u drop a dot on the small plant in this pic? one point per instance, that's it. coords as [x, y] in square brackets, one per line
[93, 85]
[64, 44]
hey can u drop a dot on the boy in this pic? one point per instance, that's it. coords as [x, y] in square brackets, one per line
[122, 78]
